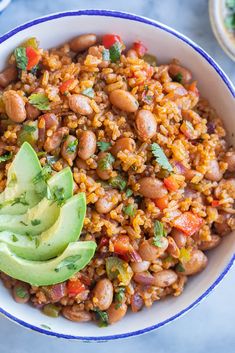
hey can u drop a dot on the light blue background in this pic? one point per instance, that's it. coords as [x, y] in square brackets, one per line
[209, 327]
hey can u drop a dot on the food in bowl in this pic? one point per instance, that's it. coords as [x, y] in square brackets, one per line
[147, 151]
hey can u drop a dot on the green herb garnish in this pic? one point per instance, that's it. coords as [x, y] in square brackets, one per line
[106, 162]
[29, 128]
[89, 92]
[35, 222]
[178, 77]
[115, 52]
[51, 160]
[159, 232]
[180, 267]
[130, 209]
[40, 101]
[5, 157]
[129, 192]
[119, 296]
[102, 317]
[21, 58]
[56, 194]
[14, 238]
[21, 292]
[105, 55]
[43, 175]
[46, 327]
[118, 182]
[103, 146]
[69, 262]
[21, 199]
[25, 224]
[72, 146]
[160, 157]
[37, 242]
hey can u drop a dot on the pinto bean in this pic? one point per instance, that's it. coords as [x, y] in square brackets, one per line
[54, 141]
[140, 266]
[152, 188]
[196, 264]
[228, 185]
[230, 159]
[32, 112]
[80, 104]
[175, 87]
[124, 100]
[103, 173]
[86, 144]
[214, 173]
[116, 313]
[102, 296]
[211, 244]
[81, 164]
[150, 252]
[15, 106]
[7, 76]
[146, 125]
[107, 202]
[69, 149]
[179, 237]
[221, 225]
[122, 144]
[70, 313]
[175, 69]
[82, 42]
[21, 292]
[165, 278]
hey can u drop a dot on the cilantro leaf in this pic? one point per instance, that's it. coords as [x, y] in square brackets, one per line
[118, 182]
[72, 146]
[102, 317]
[29, 128]
[106, 162]
[178, 77]
[56, 194]
[35, 222]
[103, 146]
[160, 157]
[14, 238]
[5, 157]
[89, 92]
[43, 175]
[69, 262]
[21, 199]
[40, 101]
[159, 232]
[120, 294]
[130, 209]
[115, 52]
[180, 267]
[21, 58]
[21, 292]
[129, 192]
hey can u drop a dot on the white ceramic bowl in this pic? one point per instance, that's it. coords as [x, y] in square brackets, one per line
[166, 44]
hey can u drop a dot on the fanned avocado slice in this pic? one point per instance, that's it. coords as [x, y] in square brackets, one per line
[40, 273]
[20, 192]
[44, 214]
[54, 240]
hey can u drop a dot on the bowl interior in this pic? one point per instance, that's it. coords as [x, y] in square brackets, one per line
[165, 45]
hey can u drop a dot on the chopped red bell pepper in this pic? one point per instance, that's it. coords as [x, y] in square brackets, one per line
[75, 287]
[140, 49]
[33, 57]
[110, 39]
[215, 203]
[122, 245]
[188, 222]
[64, 87]
[170, 183]
[161, 202]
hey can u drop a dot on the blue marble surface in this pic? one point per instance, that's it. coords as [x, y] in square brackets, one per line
[209, 327]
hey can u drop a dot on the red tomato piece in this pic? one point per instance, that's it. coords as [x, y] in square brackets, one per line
[122, 245]
[170, 183]
[33, 57]
[75, 287]
[140, 48]
[65, 86]
[110, 39]
[161, 202]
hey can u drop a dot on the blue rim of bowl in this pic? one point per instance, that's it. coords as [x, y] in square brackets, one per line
[223, 76]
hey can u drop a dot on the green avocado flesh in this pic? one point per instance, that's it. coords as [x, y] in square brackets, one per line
[44, 214]
[40, 273]
[20, 193]
[54, 240]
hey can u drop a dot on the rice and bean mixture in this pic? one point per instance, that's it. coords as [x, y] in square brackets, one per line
[148, 151]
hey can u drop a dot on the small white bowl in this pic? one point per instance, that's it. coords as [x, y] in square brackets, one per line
[217, 12]
[166, 44]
